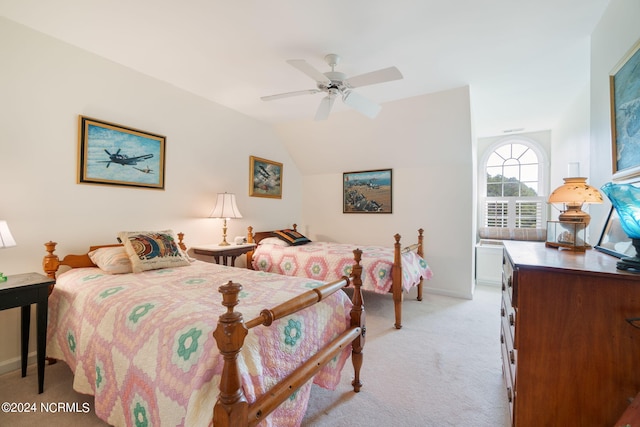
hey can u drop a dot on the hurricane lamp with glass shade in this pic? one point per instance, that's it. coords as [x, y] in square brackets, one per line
[226, 208]
[625, 199]
[6, 241]
[569, 231]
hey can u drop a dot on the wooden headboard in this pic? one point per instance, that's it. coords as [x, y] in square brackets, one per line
[259, 235]
[51, 263]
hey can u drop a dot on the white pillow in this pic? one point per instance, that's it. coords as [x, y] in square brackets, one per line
[276, 241]
[112, 260]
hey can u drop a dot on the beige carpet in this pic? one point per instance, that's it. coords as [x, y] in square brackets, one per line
[442, 369]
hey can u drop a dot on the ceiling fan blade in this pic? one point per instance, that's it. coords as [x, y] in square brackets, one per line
[325, 107]
[361, 104]
[375, 77]
[310, 71]
[289, 94]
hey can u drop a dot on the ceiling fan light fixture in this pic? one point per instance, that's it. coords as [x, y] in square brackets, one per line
[335, 83]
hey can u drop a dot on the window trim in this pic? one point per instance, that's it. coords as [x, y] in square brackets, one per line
[543, 168]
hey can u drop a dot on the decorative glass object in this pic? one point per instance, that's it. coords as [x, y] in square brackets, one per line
[626, 201]
[568, 235]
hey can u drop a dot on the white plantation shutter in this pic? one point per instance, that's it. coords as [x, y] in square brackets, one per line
[497, 213]
[528, 213]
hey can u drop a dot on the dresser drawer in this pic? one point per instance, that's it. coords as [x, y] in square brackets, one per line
[508, 279]
[508, 369]
[510, 355]
[508, 316]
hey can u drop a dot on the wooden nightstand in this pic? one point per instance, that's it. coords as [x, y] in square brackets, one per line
[227, 254]
[22, 290]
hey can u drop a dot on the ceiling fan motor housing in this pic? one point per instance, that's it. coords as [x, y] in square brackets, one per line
[338, 82]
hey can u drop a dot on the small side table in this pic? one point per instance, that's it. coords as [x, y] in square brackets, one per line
[226, 254]
[22, 290]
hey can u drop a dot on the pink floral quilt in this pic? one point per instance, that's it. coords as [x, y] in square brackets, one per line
[142, 343]
[331, 261]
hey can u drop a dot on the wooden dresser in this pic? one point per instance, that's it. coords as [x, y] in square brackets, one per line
[570, 357]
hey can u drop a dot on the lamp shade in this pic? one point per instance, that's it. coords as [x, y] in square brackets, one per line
[575, 190]
[226, 207]
[6, 239]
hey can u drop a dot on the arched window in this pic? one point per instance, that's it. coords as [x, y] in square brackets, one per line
[511, 188]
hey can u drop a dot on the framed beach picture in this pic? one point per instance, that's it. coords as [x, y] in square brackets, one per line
[265, 178]
[367, 191]
[624, 84]
[112, 154]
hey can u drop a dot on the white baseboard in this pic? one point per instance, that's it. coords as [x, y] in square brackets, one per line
[447, 293]
[494, 283]
[14, 364]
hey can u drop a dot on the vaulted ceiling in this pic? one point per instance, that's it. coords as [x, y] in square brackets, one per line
[524, 61]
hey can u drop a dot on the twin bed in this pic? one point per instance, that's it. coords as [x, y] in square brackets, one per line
[142, 328]
[385, 269]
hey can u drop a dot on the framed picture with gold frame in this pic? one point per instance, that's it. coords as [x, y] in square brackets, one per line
[265, 178]
[624, 83]
[112, 154]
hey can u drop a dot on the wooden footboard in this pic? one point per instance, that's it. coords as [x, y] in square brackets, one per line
[232, 408]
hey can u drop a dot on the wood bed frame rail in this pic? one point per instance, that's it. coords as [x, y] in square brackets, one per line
[396, 272]
[232, 408]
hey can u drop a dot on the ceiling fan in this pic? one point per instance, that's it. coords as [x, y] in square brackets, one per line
[335, 84]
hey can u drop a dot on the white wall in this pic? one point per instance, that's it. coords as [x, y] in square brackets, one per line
[44, 85]
[571, 143]
[427, 141]
[616, 33]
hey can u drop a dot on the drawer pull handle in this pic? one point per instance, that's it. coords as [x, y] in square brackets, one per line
[512, 320]
[502, 312]
[509, 281]
[501, 338]
[512, 357]
[509, 394]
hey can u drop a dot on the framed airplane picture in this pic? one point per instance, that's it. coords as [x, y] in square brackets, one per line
[265, 178]
[112, 154]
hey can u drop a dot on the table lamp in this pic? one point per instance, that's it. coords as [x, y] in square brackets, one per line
[225, 208]
[6, 241]
[626, 201]
[570, 230]
[573, 194]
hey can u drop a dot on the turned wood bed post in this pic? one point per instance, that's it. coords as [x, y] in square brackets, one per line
[232, 408]
[421, 254]
[50, 262]
[250, 253]
[357, 320]
[396, 281]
